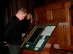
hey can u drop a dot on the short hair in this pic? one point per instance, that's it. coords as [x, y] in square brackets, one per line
[23, 10]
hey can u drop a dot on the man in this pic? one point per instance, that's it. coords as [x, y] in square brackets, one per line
[14, 31]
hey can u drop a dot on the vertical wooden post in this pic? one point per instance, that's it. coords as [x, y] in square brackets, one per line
[67, 20]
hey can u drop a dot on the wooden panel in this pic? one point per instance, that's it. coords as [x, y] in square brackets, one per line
[67, 19]
[57, 11]
[56, 5]
[51, 12]
[72, 35]
[49, 15]
[59, 15]
[41, 15]
[56, 15]
[61, 35]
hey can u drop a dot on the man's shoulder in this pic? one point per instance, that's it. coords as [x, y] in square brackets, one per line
[13, 18]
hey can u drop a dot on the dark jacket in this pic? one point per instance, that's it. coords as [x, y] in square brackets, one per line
[13, 31]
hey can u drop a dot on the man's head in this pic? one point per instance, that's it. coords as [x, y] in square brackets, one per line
[21, 14]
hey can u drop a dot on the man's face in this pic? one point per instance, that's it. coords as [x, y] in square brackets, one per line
[23, 15]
